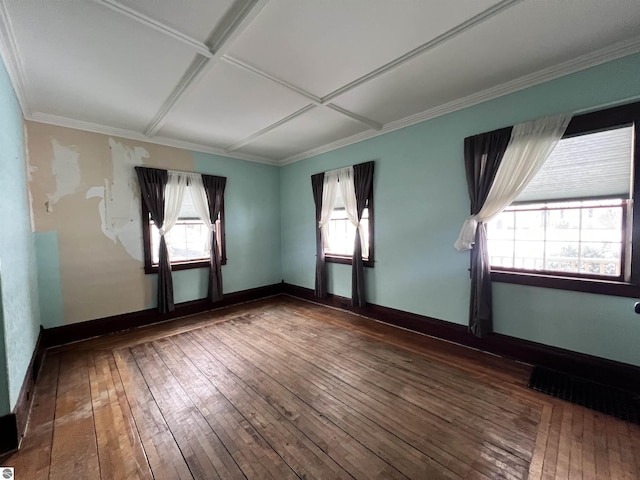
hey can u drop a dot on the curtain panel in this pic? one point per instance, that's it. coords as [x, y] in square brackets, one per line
[317, 186]
[152, 189]
[482, 156]
[214, 187]
[499, 166]
[363, 185]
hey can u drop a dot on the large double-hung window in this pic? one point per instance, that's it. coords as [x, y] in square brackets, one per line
[572, 226]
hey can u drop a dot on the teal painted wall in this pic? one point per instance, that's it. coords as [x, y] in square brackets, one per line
[421, 201]
[4, 379]
[252, 211]
[49, 286]
[20, 316]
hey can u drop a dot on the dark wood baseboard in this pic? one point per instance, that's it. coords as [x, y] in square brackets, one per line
[13, 425]
[8, 433]
[103, 326]
[607, 372]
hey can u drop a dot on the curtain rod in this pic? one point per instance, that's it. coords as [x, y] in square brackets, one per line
[346, 166]
[178, 171]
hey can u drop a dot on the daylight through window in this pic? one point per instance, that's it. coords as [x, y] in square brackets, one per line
[573, 219]
[342, 232]
[188, 242]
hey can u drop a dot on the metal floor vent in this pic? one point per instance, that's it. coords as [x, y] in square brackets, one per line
[596, 396]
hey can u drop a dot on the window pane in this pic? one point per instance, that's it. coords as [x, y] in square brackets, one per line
[529, 254]
[582, 238]
[501, 253]
[602, 224]
[563, 225]
[188, 240]
[601, 258]
[562, 256]
[342, 233]
[529, 225]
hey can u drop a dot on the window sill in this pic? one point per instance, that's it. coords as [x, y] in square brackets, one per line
[182, 266]
[588, 285]
[345, 260]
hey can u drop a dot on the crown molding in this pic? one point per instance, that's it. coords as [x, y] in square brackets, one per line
[9, 53]
[598, 57]
[137, 136]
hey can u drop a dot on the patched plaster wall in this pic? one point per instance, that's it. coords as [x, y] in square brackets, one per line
[85, 202]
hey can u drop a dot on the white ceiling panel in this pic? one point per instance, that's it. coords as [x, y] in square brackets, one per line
[91, 64]
[528, 37]
[195, 18]
[227, 105]
[312, 129]
[321, 46]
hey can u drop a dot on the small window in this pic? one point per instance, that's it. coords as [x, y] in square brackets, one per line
[342, 233]
[187, 242]
[575, 219]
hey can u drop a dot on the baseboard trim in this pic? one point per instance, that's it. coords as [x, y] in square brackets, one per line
[13, 425]
[607, 372]
[74, 332]
[9, 437]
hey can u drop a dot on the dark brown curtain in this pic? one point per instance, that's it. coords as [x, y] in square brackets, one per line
[363, 182]
[152, 184]
[482, 156]
[214, 187]
[317, 182]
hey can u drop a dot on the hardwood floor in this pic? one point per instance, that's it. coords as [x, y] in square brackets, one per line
[282, 389]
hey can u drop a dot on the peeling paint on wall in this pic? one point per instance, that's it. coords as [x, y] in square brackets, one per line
[66, 171]
[119, 205]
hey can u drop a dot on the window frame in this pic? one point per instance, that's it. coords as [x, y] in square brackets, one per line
[149, 266]
[593, 122]
[348, 259]
[624, 205]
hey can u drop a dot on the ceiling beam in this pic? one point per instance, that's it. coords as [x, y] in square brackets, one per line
[139, 17]
[448, 35]
[249, 68]
[309, 96]
[238, 19]
[354, 116]
[251, 138]
[195, 70]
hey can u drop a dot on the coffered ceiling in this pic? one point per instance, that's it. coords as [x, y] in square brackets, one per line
[280, 80]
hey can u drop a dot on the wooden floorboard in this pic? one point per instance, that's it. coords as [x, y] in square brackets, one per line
[287, 389]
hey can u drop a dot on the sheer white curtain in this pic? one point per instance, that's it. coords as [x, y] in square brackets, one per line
[529, 146]
[330, 184]
[201, 204]
[348, 191]
[173, 196]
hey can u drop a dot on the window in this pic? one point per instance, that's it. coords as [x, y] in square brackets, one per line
[342, 233]
[187, 242]
[572, 226]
